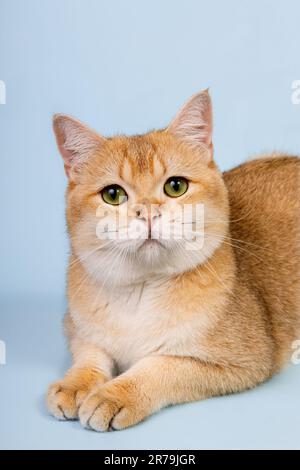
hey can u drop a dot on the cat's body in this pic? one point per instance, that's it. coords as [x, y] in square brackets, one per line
[264, 199]
[166, 323]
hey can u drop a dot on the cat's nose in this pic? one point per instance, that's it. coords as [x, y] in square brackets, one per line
[148, 215]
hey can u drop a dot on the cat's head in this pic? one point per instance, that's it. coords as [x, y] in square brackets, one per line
[145, 205]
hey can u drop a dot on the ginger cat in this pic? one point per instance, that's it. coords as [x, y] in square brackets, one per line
[160, 311]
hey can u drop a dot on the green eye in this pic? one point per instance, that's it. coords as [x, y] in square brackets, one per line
[176, 186]
[114, 195]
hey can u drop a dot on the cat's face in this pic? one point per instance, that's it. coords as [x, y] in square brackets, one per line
[147, 205]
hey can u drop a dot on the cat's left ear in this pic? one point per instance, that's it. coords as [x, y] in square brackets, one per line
[193, 123]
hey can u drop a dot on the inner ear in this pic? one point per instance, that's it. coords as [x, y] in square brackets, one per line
[75, 141]
[193, 123]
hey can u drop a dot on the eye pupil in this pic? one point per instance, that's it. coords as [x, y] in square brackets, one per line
[175, 186]
[114, 194]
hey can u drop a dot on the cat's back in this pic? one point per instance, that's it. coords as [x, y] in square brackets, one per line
[263, 170]
[264, 196]
[264, 199]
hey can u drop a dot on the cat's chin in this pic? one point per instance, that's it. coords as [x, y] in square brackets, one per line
[150, 247]
[151, 243]
[137, 261]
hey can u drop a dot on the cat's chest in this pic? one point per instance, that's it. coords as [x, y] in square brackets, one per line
[139, 322]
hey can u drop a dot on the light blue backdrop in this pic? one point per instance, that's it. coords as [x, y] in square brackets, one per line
[124, 66]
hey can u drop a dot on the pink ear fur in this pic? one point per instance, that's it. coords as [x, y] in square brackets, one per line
[75, 142]
[193, 123]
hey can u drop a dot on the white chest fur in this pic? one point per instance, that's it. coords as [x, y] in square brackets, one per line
[134, 322]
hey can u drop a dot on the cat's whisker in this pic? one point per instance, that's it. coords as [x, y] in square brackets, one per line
[187, 254]
[87, 275]
[264, 248]
[234, 245]
[208, 266]
[225, 220]
[81, 259]
[222, 239]
[116, 261]
[224, 236]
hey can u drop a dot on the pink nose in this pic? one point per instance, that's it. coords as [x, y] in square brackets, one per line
[148, 214]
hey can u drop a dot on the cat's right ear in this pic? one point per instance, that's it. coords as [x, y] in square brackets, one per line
[75, 141]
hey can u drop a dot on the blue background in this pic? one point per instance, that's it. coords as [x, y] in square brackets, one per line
[127, 66]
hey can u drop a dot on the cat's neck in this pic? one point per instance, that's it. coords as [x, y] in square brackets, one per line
[218, 272]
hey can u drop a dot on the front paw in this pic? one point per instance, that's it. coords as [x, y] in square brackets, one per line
[65, 396]
[63, 400]
[116, 405]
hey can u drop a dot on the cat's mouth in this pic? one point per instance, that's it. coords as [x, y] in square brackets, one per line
[151, 243]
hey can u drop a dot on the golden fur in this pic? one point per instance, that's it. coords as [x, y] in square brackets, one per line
[151, 325]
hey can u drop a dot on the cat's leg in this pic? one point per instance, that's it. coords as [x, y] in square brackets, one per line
[158, 381]
[91, 367]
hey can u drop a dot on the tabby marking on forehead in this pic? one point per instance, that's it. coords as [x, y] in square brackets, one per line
[149, 164]
[125, 171]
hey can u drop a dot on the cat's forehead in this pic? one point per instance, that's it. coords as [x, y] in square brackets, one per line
[142, 158]
[137, 160]
[143, 161]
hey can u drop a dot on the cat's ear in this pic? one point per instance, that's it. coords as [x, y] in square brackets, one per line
[193, 123]
[75, 141]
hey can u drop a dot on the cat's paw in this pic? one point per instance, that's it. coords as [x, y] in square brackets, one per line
[65, 396]
[64, 399]
[116, 405]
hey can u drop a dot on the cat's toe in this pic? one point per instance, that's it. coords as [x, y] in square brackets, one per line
[63, 401]
[97, 413]
[113, 406]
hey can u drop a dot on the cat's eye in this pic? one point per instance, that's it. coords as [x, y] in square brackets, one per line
[114, 194]
[176, 186]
